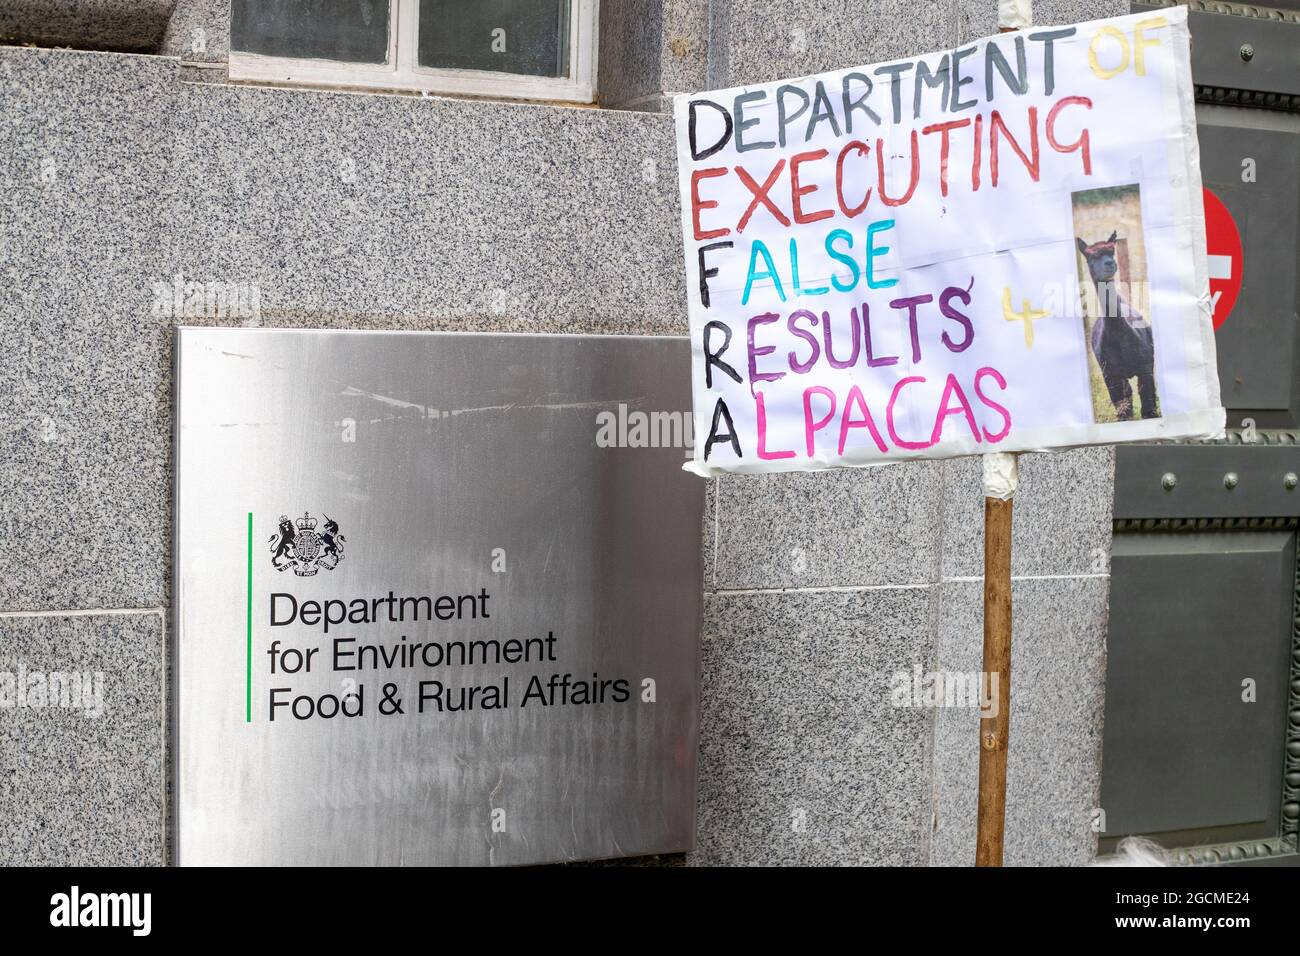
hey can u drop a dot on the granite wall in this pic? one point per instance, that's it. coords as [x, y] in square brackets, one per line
[374, 211]
[136, 25]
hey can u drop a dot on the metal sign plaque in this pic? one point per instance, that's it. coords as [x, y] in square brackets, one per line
[437, 597]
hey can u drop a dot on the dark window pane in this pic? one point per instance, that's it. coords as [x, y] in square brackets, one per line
[354, 31]
[529, 37]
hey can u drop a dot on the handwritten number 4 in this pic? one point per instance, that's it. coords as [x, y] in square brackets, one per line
[1027, 316]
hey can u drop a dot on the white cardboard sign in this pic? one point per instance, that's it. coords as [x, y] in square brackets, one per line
[999, 247]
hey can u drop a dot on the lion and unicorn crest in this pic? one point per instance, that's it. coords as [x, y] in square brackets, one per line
[298, 545]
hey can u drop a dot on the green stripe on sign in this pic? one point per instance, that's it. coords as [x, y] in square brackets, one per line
[248, 630]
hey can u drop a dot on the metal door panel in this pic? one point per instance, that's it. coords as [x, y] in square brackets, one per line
[1204, 574]
[1193, 615]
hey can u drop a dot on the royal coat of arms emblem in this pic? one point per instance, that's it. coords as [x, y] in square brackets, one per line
[298, 545]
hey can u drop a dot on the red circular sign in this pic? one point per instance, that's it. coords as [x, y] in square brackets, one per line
[1223, 243]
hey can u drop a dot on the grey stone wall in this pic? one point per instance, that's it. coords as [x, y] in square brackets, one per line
[652, 49]
[803, 758]
[355, 211]
[119, 25]
[199, 31]
[649, 47]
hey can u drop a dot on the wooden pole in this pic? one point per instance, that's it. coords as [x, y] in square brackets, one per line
[995, 727]
[1000, 479]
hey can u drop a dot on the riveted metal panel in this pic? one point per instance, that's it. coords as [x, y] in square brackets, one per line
[1207, 481]
[1193, 617]
[1245, 53]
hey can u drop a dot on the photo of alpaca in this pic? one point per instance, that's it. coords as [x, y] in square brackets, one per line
[1113, 287]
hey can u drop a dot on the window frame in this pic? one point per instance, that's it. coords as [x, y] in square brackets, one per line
[403, 72]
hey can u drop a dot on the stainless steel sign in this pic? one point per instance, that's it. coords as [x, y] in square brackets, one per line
[437, 597]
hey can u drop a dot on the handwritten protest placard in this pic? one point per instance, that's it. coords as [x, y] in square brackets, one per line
[999, 247]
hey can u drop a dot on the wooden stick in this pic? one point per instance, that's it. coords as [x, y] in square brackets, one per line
[995, 728]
